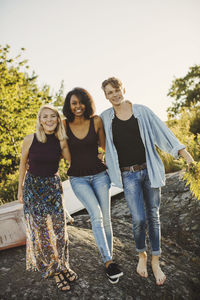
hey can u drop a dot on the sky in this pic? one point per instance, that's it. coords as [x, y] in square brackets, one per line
[145, 43]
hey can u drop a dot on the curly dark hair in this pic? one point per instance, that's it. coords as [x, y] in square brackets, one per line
[85, 98]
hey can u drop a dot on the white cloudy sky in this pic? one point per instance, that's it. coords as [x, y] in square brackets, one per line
[146, 43]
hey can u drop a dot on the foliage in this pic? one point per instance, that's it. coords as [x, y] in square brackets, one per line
[59, 97]
[170, 164]
[181, 127]
[20, 99]
[63, 167]
[9, 187]
[185, 91]
[194, 114]
[182, 130]
[192, 177]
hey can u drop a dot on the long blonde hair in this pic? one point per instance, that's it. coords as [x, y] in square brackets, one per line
[59, 131]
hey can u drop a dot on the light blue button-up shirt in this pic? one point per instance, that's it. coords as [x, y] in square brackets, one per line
[153, 133]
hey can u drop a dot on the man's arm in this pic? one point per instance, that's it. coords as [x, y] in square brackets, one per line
[163, 136]
[186, 155]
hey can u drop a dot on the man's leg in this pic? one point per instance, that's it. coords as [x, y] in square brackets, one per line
[132, 182]
[152, 203]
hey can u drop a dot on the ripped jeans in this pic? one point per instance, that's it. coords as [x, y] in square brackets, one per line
[144, 203]
[93, 192]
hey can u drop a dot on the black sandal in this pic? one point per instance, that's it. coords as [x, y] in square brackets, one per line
[62, 283]
[70, 275]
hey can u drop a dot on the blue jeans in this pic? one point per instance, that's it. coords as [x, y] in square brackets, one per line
[144, 203]
[93, 192]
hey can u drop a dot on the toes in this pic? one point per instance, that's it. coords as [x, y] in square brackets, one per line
[66, 288]
[161, 281]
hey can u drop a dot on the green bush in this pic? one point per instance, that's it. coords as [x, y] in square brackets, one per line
[192, 177]
[9, 188]
[170, 164]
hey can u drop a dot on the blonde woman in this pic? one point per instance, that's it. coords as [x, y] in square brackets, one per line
[40, 191]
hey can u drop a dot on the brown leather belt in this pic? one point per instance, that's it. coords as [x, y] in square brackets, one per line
[134, 168]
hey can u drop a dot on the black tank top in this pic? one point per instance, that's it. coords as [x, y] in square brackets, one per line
[44, 157]
[128, 142]
[84, 153]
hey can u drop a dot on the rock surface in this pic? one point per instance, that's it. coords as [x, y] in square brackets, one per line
[180, 219]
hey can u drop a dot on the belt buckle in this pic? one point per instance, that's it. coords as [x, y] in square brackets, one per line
[132, 168]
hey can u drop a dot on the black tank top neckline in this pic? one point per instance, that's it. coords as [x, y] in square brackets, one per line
[132, 116]
[91, 120]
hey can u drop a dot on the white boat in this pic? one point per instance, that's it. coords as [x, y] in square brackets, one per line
[12, 227]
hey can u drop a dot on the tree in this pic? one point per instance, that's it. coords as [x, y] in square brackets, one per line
[20, 99]
[184, 121]
[59, 97]
[185, 91]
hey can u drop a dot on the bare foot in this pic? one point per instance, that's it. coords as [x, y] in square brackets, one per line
[142, 265]
[158, 273]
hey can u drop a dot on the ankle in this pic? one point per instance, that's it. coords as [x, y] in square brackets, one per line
[108, 263]
[155, 260]
[143, 254]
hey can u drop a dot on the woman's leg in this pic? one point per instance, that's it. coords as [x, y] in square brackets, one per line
[82, 187]
[101, 187]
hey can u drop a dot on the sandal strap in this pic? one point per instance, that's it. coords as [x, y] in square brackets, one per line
[69, 274]
[60, 283]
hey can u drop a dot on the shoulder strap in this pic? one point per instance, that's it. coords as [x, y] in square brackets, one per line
[92, 128]
[67, 128]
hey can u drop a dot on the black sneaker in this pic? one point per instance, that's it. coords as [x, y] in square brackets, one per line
[113, 271]
[113, 281]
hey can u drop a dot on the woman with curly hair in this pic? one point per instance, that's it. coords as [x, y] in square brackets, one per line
[87, 173]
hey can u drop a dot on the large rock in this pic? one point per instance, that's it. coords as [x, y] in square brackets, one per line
[180, 256]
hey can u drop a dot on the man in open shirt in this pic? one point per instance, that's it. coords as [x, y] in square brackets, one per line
[132, 133]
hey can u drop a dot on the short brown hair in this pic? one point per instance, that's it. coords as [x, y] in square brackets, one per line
[115, 82]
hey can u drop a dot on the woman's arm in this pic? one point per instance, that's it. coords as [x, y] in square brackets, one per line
[65, 150]
[64, 124]
[100, 131]
[22, 167]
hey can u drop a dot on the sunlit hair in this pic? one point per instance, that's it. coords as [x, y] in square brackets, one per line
[115, 82]
[85, 98]
[59, 130]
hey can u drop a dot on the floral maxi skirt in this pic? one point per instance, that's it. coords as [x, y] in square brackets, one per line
[47, 238]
